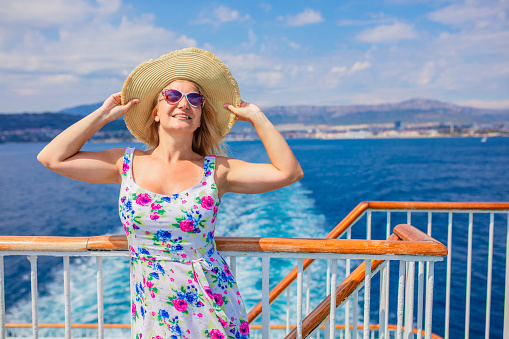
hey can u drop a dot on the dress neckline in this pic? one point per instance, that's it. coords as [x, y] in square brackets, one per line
[199, 184]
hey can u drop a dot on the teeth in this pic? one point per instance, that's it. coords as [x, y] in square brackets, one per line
[182, 116]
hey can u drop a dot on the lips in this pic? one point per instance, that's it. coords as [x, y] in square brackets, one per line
[181, 115]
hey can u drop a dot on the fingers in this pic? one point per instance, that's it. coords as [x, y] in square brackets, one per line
[131, 102]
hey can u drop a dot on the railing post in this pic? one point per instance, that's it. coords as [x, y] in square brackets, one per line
[367, 297]
[401, 299]
[67, 297]
[448, 282]
[420, 295]
[332, 315]
[100, 300]
[409, 300]
[429, 299]
[506, 302]
[2, 299]
[299, 298]
[355, 304]
[35, 306]
[488, 282]
[265, 298]
[469, 274]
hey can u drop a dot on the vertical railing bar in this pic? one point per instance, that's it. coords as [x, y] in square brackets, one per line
[355, 304]
[368, 226]
[67, 297]
[420, 296]
[386, 324]
[35, 305]
[265, 297]
[233, 266]
[401, 299]
[327, 292]
[409, 217]
[3, 333]
[382, 312]
[367, 297]
[430, 223]
[347, 305]
[100, 298]
[469, 274]
[448, 282]
[299, 298]
[332, 314]
[429, 299]
[506, 295]
[308, 290]
[287, 310]
[490, 269]
[409, 300]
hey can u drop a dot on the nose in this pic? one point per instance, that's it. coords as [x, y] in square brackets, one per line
[183, 104]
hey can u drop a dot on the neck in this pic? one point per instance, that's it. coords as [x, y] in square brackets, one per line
[175, 147]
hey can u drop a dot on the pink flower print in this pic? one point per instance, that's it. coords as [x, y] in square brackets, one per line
[184, 256]
[157, 337]
[216, 334]
[155, 206]
[195, 207]
[196, 277]
[154, 216]
[219, 299]
[180, 305]
[172, 280]
[213, 219]
[207, 202]
[208, 291]
[227, 270]
[153, 313]
[216, 209]
[186, 225]
[133, 309]
[184, 201]
[204, 183]
[125, 168]
[143, 199]
[199, 315]
[149, 283]
[189, 281]
[244, 328]
[211, 310]
[223, 323]
[147, 232]
[152, 294]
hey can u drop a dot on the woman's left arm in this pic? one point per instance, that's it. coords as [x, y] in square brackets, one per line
[242, 177]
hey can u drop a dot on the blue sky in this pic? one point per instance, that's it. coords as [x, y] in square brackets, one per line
[61, 53]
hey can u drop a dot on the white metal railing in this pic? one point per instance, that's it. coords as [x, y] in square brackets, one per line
[333, 258]
[483, 229]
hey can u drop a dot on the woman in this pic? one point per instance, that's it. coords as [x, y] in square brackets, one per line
[180, 105]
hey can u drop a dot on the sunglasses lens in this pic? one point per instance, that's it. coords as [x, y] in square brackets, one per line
[195, 99]
[172, 95]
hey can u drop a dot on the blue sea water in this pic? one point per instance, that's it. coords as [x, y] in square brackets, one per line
[338, 175]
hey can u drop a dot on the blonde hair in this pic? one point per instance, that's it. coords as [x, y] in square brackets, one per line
[207, 139]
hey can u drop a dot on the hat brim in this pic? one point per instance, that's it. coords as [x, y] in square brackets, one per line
[201, 67]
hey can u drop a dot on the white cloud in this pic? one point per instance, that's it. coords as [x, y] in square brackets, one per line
[79, 55]
[479, 13]
[359, 66]
[388, 33]
[252, 39]
[218, 15]
[306, 17]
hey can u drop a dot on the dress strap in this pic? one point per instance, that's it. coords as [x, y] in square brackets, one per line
[127, 164]
[209, 167]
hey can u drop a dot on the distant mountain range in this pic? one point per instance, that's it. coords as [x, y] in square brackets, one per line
[410, 111]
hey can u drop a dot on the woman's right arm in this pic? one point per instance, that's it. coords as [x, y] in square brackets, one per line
[63, 156]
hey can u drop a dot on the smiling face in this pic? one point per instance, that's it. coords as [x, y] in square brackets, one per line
[180, 116]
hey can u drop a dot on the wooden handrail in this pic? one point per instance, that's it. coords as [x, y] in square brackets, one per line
[240, 244]
[420, 205]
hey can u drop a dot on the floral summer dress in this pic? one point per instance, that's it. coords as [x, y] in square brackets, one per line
[181, 287]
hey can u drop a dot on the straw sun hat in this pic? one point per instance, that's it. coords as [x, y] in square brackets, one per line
[201, 67]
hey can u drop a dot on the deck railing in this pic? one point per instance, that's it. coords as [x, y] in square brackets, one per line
[430, 214]
[331, 250]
